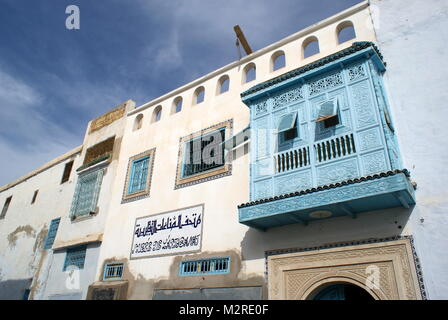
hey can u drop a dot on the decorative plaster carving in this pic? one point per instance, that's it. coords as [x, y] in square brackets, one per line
[108, 118]
[338, 171]
[369, 139]
[326, 83]
[261, 107]
[287, 96]
[356, 72]
[263, 189]
[293, 182]
[374, 162]
[297, 275]
[363, 105]
[394, 183]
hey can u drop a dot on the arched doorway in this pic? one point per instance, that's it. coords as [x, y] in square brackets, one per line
[341, 291]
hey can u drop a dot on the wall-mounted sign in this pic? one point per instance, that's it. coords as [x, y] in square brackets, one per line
[172, 232]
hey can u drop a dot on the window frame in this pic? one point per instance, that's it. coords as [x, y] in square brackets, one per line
[132, 177]
[335, 113]
[185, 267]
[5, 208]
[33, 200]
[128, 195]
[73, 250]
[94, 177]
[294, 126]
[115, 278]
[221, 145]
[213, 173]
[67, 171]
[52, 233]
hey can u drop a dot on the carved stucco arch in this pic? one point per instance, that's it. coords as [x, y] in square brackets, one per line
[296, 275]
[314, 285]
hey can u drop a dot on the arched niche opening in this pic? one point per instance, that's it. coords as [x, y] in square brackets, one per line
[310, 47]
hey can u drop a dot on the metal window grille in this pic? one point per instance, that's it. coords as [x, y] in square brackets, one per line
[139, 175]
[86, 194]
[75, 257]
[52, 233]
[205, 266]
[199, 159]
[113, 271]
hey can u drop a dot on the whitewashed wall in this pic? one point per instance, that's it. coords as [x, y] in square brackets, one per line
[412, 37]
[25, 226]
[221, 229]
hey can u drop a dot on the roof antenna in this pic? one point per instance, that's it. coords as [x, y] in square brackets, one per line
[241, 39]
[238, 49]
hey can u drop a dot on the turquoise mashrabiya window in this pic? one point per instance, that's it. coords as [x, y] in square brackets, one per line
[52, 233]
[75, 257]
[139, 175]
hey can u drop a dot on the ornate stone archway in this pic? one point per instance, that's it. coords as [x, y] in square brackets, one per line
[297, 275]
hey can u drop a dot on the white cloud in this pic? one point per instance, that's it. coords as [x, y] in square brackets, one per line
[27, 139]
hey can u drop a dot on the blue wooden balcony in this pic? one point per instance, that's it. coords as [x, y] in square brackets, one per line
[346, 198]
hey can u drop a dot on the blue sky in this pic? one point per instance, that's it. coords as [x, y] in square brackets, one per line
[54, 80]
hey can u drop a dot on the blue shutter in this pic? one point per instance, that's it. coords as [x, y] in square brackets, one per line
[139, 175]
[52, 231]
[328, 109]
[287, 122]
[86, 193]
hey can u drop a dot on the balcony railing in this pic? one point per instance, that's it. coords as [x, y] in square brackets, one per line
[324, 150]
[292, 159]
[334, 148]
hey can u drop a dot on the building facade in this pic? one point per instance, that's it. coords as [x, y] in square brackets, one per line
[293, 173]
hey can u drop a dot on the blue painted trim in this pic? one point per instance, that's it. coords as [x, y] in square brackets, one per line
[183, 273]
[356, 51]
[52, 232]
[106, 268]
[362, 194]
[141, 186]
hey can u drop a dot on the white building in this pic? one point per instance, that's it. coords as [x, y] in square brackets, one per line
[316, 205]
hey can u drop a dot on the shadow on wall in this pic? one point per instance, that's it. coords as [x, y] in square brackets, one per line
[14, 289]
[369, 225]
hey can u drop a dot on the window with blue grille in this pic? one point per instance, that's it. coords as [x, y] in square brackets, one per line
[86, 194]
[139, 175]
[113, 271]
[75, 257]
[51, 235]
[205, 266]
